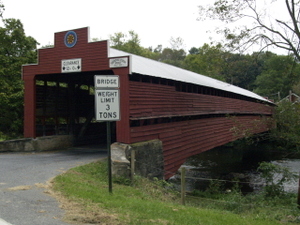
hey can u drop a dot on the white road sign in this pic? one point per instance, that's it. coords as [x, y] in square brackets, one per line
[107, 81]
[71, 65]
[107, 104]
[107, 98]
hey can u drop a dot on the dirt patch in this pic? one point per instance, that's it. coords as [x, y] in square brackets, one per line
[77, 213]
[27, 187]
[41, 185]
[20, 188]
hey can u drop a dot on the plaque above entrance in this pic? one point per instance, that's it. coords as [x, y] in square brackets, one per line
[71, 65]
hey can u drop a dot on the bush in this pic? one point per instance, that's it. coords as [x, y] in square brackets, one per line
[287, 118]
[275, 177]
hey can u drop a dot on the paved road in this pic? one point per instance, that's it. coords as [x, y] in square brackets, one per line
[22, 202]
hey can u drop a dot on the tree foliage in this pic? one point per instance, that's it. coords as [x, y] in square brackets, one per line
[172, 56]
[242, 70]
[1, 9]
[131, 43]
[258, 22]
[215, 61]
[207, 60]
[16, 49]
[287, 130]
[280, 73]
[275, 177]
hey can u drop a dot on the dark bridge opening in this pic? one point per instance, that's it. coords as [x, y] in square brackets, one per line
[65, 105]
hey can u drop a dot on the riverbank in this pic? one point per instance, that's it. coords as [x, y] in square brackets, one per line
[238, 161]
[151, 202]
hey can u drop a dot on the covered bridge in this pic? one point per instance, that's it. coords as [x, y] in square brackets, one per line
[190, 113]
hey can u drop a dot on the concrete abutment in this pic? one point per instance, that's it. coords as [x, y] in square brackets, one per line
[149, 160]
[46, 143]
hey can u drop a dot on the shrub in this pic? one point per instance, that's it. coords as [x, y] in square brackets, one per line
[275, 177]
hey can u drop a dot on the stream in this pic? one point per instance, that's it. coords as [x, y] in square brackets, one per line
[231, 163]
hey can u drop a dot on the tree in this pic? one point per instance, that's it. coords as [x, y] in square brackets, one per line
[132, 45]
[242, 70]
[1, 9]
[172, 56]
[194, 51]
[207, 60]
[287, 117]
[275, 177]
[215, 61]
[280, 73]
[117, 40]
[177, 43]
[260, 25]
[16, 49]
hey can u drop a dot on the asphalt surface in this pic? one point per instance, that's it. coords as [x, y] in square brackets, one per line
[23, 200]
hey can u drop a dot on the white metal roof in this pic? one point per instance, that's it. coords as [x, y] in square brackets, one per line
[145, 66]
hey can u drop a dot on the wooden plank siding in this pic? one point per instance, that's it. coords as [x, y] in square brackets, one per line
[153, 100]
[186, 138]
[183, 139]
[93, 55]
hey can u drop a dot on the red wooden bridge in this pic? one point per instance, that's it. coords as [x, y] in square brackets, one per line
[190, 113]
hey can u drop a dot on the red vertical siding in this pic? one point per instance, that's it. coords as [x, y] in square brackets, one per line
[123, 132]
[29, 107]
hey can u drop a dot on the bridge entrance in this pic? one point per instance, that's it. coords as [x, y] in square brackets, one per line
[59, 89]
[65, 105]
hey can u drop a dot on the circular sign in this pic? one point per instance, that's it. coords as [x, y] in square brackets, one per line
[70, 39]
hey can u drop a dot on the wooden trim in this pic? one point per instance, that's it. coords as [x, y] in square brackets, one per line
[29, 107]
[123, 126]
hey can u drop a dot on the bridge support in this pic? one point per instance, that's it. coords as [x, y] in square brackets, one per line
[149, 161]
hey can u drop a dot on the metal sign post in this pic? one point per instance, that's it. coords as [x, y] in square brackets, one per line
[109, 156]
[107, 102]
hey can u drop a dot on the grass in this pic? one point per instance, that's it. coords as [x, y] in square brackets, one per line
[282, 206]
[84, 193]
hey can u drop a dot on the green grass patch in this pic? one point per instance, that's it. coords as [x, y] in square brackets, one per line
[143, 202]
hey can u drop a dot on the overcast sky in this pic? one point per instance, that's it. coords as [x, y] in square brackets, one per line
[155, 21]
